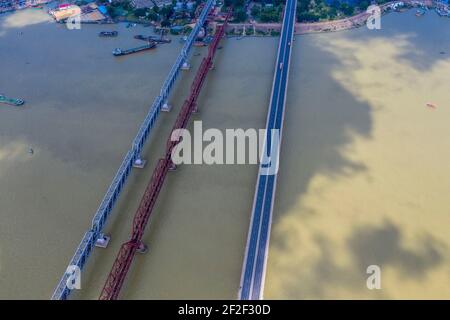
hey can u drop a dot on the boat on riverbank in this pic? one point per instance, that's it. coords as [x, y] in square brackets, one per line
[121, 52]
[11, 101]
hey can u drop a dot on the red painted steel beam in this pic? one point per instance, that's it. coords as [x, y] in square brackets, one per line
[123, 261]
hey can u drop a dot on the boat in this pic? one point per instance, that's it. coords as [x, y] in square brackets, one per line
[121, 52]
[11, 101]
[199, 44]
[156, 39]
[431, 105]
[108, 34]
[420, 12]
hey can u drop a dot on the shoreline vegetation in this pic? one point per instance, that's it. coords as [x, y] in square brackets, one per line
[346, 23]
[252, 18]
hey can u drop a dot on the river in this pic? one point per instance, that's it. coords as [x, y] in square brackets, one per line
[364, 176]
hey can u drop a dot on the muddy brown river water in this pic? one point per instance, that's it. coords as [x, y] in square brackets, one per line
[364, 174]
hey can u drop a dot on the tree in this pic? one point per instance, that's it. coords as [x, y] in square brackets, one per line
[167, 11]
[240, 15]
[152, 15]
[269, 15]
[363, 5]
[111, 12]
[165, 23]
[141, 12]
[346, 9]
[234, 3]
[256, 11]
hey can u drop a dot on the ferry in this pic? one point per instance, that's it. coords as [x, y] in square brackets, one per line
[10, 101]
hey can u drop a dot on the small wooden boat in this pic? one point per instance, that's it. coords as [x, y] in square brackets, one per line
[431, 105]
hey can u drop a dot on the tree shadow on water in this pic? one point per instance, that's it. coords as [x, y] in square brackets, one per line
[382, 245]
[323, 120]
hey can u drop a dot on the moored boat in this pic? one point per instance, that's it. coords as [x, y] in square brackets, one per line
[11, 101]
[108, 34]
[420, 12]
[122, 52]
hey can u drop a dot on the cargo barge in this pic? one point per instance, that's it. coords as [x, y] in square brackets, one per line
[10, 101]
[121, 52]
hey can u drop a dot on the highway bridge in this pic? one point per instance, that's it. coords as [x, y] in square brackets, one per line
[255, 261]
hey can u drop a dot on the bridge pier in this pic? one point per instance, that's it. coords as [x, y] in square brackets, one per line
[186, 66]
[139, 163]
[166, 107]
[102, 241]
[172, 167]
[142, 248]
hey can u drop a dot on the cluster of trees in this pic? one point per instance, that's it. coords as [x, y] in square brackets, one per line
[307, 10]
[315, 10]
[267, 14]
[239, 14]
[153, 14]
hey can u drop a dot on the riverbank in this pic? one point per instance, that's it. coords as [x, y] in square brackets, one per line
[26, 5]
[273, 29]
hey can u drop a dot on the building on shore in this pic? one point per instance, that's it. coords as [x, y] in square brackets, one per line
[9, 5]
[89, 13]
[140, 4]
[162, 3]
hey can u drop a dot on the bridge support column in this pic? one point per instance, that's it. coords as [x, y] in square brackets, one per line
[102, 241]
[195, 109]
[166, 107]
[186, 66]
[172, 167]
[139, 163]
[142, 248]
